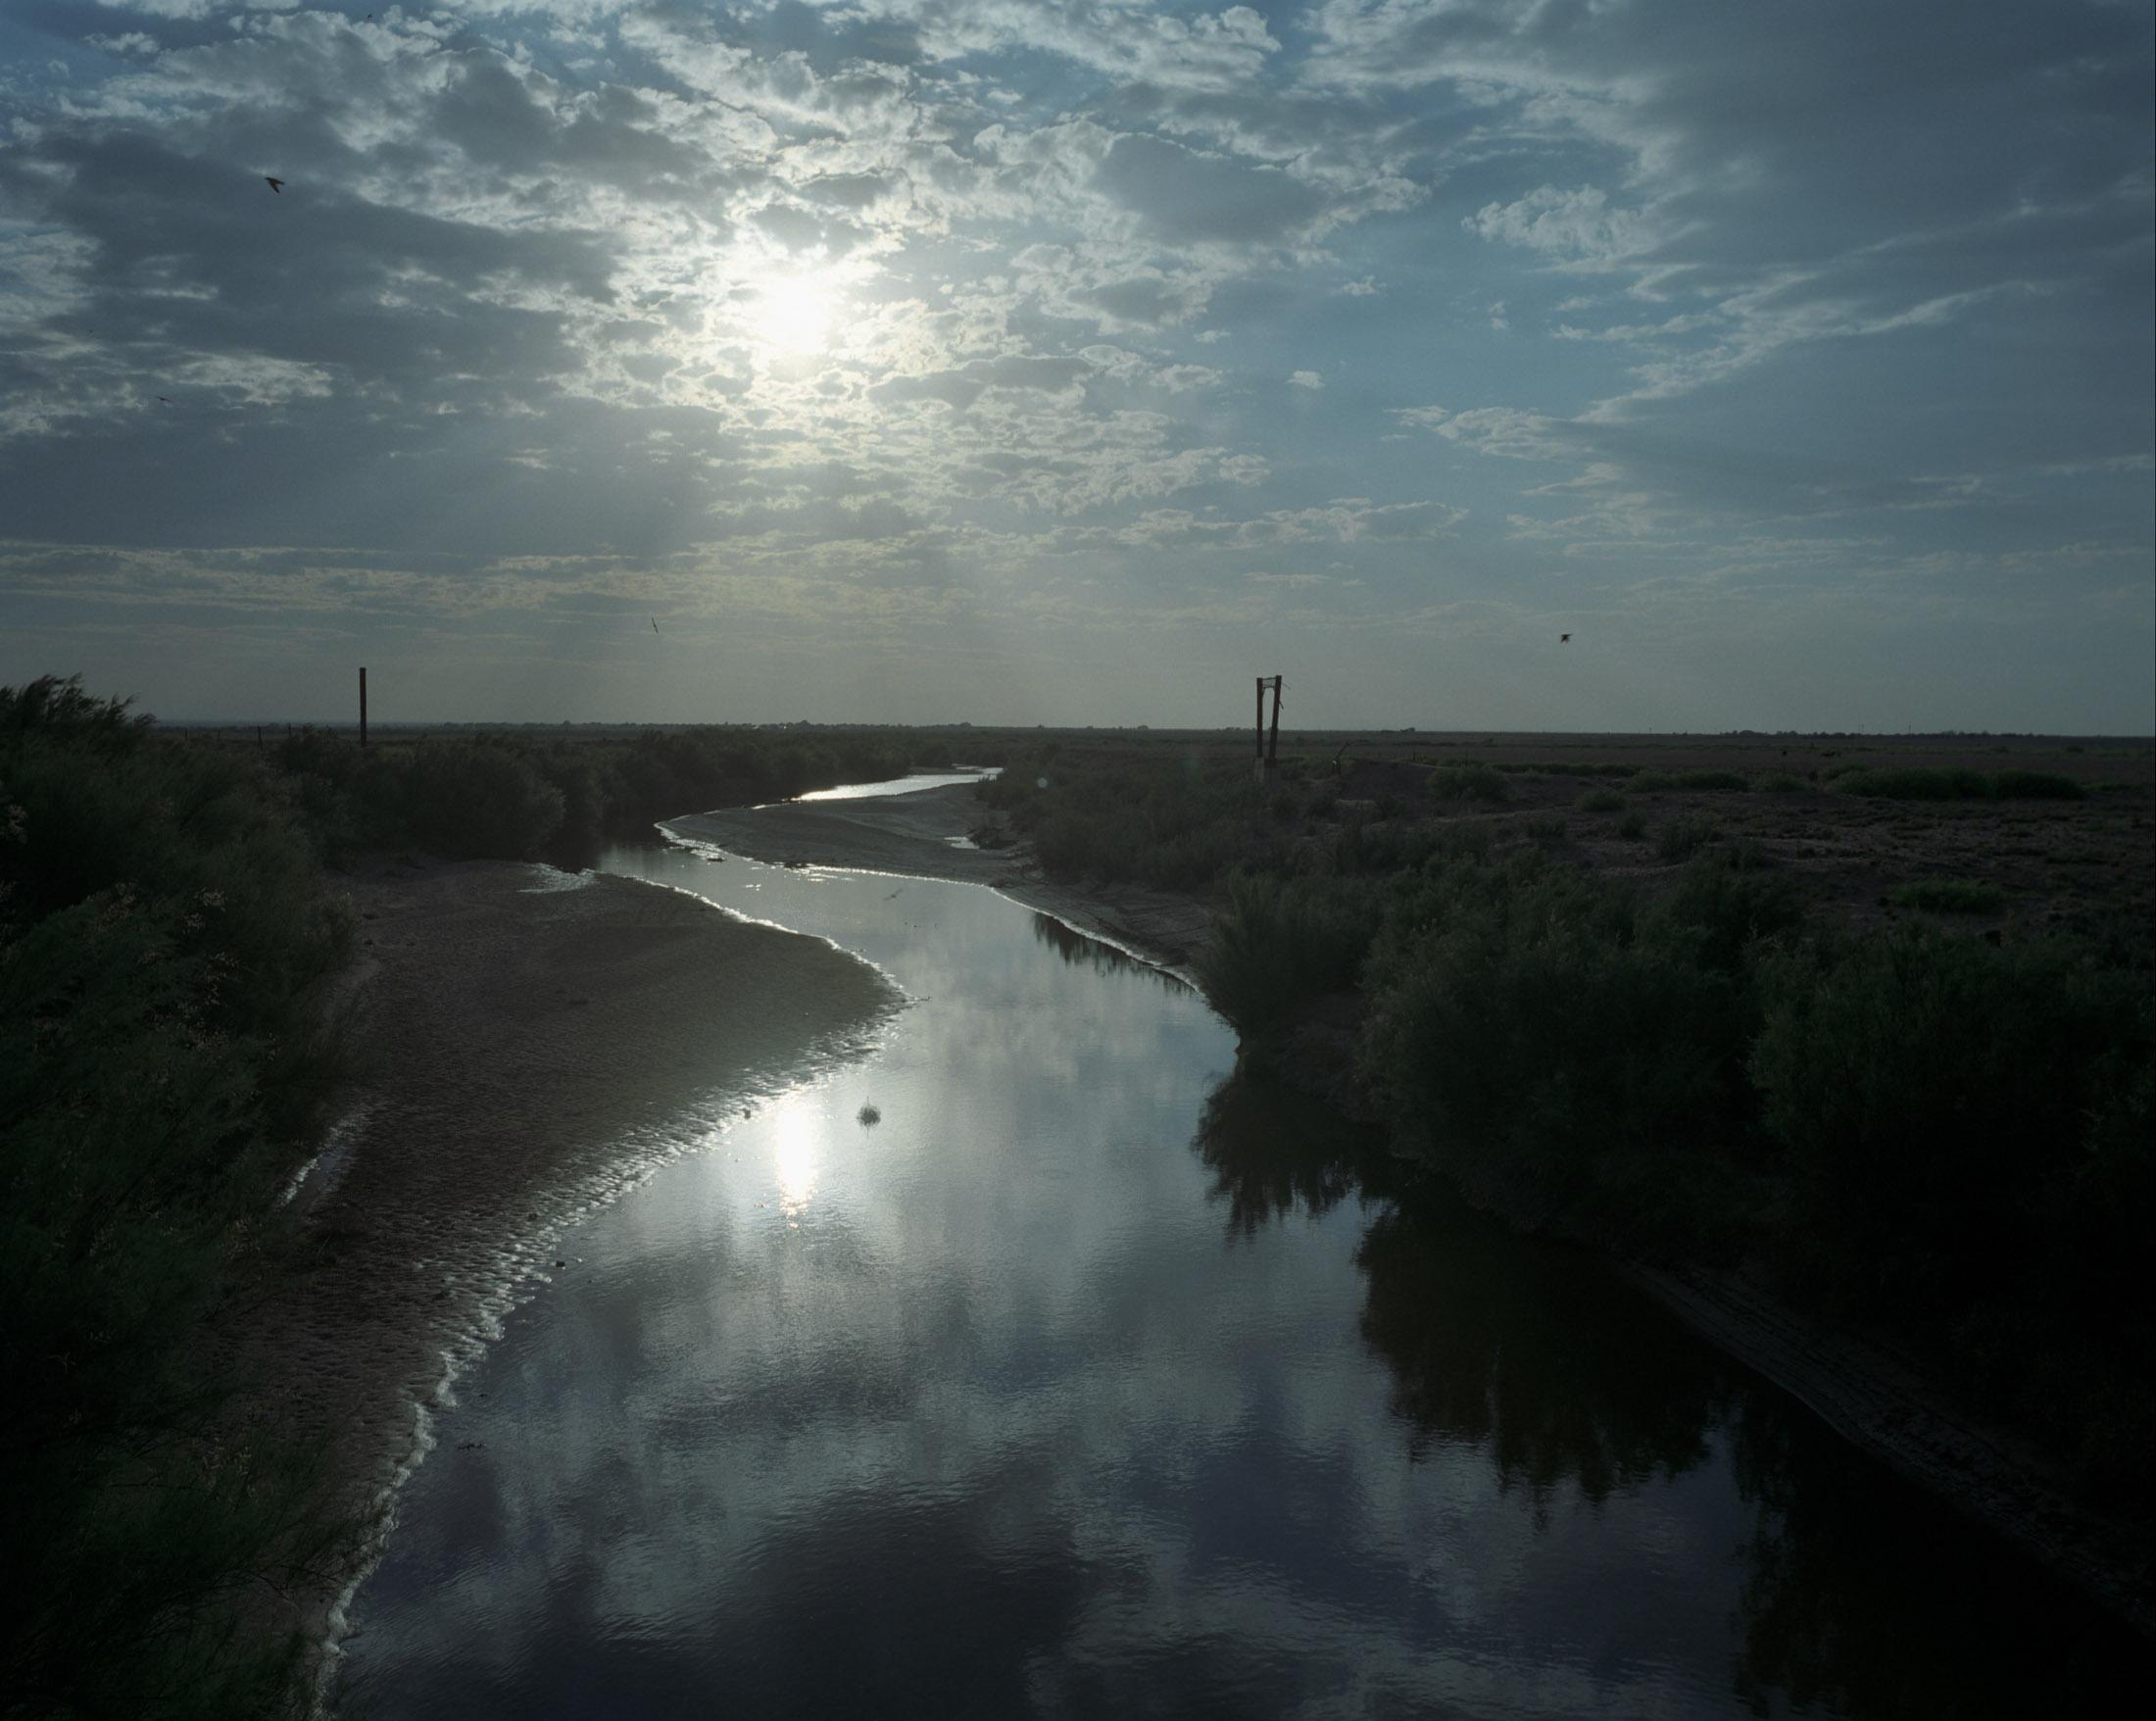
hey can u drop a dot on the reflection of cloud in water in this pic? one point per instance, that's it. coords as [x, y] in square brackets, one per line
[1855, 1594]
[986, 1420]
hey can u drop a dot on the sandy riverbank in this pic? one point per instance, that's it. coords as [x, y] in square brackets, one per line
[1879, 1399]
[530, 1042]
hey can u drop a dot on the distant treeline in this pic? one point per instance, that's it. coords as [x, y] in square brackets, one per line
[522, 797]
[1941, 1135]
[165, 1052]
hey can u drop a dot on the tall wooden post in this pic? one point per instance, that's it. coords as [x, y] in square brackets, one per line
[362, 704]
[1272, 753]
[1261, 720]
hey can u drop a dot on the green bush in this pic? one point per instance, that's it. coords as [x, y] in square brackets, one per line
[1599, 801]
[1956, 783]
[1681, 838]
[2037, 786]
[1469, 782]
[1930, 1092]
[1782, 783]
[1726, 781]
[470, 799]
[1517, 1009]
[1652, 782]
[1557, 767]
[524, 796]
[1950, 895]
[1280, 944]
[1722, 907]
[164, 947]
[1915, 783]
[1967, 1130]
[1633, 826]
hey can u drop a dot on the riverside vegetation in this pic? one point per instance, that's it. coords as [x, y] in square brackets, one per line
[168, 1053]
[1666, 1037]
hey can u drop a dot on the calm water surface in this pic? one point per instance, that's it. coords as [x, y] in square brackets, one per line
[896, 785]
[1086, 1382]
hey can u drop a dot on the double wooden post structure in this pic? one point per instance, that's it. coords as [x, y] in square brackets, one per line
[362, 704]
[1268, 757]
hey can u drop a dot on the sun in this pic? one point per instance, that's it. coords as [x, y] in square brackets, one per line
[795, 315]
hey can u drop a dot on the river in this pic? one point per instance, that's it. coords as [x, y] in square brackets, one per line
[1035, 1366]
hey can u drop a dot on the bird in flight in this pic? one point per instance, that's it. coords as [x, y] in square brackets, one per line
[654, 624]
[1564, 639]
[275, 183]
[166, 398]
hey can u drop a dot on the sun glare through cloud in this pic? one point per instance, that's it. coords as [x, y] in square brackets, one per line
[1175, 337]
[795, 315]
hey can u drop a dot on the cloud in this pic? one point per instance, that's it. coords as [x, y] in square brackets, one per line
[917, 292]
[1568, 224]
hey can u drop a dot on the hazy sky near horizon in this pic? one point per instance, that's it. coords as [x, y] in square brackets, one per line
[1075, 361]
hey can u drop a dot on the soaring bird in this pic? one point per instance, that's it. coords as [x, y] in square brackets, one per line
[275, 183]
[1564, 639]
[654, 624]
[166, 399]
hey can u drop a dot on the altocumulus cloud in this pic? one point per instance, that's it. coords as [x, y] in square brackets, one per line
[928, 358]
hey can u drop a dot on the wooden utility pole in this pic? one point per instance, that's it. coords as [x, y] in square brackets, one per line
[1268, 762]
[362, 704]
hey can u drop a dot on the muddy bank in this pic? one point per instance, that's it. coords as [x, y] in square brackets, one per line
[529, 1043]
[1882, 1402]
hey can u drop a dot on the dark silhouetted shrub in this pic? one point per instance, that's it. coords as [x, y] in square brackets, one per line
[1683, 837]
[1950, 895]
[1280, 944]
[1469, 782]
[1720, 780]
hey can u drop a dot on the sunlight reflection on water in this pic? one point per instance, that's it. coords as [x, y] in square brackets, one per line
[1088, 1383]
[905, 785]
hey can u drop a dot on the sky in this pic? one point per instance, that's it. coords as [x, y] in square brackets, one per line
[1078, 361]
